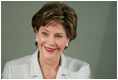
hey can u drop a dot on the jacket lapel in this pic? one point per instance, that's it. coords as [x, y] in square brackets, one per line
[63, 72]
[35, 71]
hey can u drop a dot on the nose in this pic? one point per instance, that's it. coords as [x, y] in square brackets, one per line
[51, 41]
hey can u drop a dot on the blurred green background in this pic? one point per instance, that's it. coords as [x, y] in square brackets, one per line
[96, 41]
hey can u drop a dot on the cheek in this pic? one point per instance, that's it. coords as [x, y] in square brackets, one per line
[61, 44]
[41, 40]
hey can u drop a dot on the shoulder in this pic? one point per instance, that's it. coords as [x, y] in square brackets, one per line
[20, 61]
[75, 62]
[78, 68]
[14, 66]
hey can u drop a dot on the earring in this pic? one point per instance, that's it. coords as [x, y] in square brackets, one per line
[36, 40]
[67, 45]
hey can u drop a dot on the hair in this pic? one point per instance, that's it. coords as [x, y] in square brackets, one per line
[53, 13]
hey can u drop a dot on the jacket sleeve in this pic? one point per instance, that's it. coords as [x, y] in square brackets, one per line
[7, 72]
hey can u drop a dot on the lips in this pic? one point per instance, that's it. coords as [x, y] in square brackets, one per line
[49, 49]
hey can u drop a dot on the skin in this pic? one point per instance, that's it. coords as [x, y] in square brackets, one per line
[54, 37]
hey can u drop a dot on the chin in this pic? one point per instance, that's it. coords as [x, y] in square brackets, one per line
[52, 55]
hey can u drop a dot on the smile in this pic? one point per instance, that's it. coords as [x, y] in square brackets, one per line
[49, 49]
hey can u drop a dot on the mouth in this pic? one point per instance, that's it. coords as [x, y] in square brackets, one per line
[50, 49]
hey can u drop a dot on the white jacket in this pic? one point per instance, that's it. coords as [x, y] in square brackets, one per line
[29, 68]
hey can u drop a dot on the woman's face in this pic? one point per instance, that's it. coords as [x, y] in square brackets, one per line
[52, 40]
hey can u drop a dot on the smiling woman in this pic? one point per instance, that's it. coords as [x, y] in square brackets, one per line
[55, 26]
[52, 39]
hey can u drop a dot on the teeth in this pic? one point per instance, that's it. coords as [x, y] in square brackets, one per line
[50, 49]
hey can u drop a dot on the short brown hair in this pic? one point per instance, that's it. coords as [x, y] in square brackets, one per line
[55, 12]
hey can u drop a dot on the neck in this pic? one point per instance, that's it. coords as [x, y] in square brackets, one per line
[49, 65]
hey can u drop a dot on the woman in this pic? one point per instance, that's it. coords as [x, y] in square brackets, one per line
[55, 26]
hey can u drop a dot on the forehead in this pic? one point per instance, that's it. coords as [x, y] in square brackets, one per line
[54, 28]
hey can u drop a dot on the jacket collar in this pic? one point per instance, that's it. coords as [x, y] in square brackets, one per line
[35, 70]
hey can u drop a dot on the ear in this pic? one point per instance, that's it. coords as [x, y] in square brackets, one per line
[68, 40]
[36, 32]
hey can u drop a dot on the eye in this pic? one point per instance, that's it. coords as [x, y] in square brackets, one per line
[58, 36]
[44, 33]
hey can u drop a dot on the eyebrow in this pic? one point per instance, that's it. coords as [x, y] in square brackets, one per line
[44, 29]
[48, 31]
[60, 33]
